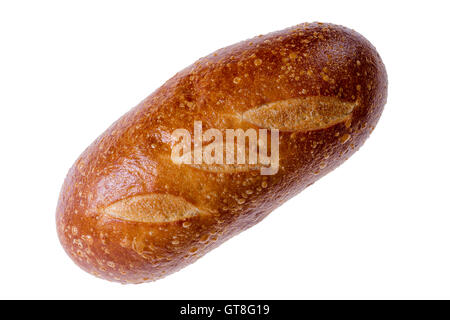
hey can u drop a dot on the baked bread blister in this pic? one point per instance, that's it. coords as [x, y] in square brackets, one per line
[128, 212]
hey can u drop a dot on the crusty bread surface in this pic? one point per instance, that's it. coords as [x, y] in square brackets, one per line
[128, 213]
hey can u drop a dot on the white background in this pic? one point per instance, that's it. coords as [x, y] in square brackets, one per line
[377, 227]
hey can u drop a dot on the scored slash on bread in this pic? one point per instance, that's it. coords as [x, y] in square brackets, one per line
[301, 114]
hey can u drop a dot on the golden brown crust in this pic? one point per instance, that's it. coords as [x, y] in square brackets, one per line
[128, 213]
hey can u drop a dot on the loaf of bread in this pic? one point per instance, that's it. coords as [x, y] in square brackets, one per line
[131, 212]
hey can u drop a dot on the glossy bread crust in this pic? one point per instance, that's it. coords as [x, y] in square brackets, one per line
[128, 213]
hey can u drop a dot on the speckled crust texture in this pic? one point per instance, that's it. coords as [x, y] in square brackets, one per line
[131, 160]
